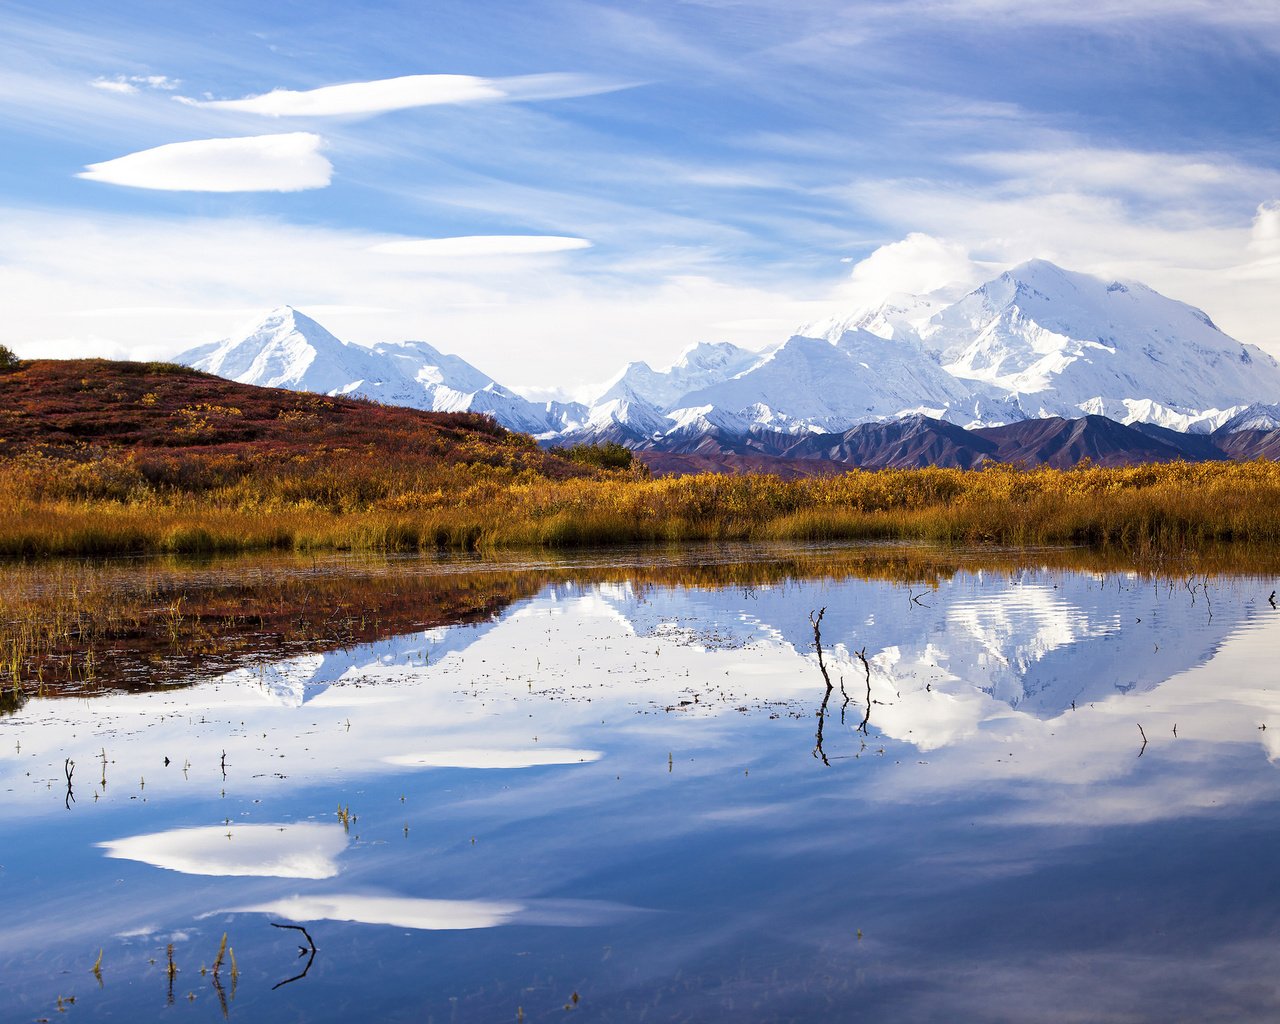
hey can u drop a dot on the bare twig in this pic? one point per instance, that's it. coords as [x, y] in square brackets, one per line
[816, 622]
[817, 643]
[818, 752]
[866, 666]
[302, 951]
[1144, 739]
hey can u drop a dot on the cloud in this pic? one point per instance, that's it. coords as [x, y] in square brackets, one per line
[1264, 238]
[376, 97]
[482, 245]
[259, 163]
[301, 850]
[129, 84]
[1139, 175]
[916, 265]
[481, 757]
[396, 911]
[119, 85]
[1102, 15]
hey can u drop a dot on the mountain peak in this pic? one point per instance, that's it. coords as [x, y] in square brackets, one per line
[288, 318]
[288, 349]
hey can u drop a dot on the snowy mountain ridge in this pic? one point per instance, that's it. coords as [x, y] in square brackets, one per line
[1036, 341]
[290, 350]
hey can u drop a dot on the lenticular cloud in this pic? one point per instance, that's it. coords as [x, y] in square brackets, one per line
[364, 98]
[289, 162]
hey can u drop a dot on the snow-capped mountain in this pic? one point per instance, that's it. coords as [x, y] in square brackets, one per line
[290, 350]
[1036, 341]
[814, 384]
[698, 367]
[1067, 343]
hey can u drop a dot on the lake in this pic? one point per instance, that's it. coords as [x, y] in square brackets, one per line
[1039, 787]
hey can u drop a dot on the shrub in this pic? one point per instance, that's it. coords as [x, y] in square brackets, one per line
[610, 455]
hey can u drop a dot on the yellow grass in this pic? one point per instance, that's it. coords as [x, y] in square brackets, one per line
[48, 508]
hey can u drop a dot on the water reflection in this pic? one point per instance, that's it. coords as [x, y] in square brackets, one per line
[298, 850]
[395, 911]
[490, 758]
[1050, 770]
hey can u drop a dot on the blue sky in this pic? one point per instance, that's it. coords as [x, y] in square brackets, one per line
[736, 167]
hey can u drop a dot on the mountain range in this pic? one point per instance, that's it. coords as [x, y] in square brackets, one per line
[1039, 364]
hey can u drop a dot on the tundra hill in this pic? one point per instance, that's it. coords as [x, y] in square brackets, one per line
[169, 419]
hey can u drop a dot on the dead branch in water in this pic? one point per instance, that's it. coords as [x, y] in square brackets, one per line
[817, 643]
[1144, 739]
[816, 622]
[302, 951]
[866, 667]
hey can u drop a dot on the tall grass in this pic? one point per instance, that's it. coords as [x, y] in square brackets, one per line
[49, 507]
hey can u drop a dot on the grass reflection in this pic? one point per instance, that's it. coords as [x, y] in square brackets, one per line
[86, 627]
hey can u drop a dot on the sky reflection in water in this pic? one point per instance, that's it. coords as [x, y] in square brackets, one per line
[655, 827]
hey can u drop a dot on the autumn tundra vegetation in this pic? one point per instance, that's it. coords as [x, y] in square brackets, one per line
[105, 457]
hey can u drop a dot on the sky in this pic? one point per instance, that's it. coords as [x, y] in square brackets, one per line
[551, 188]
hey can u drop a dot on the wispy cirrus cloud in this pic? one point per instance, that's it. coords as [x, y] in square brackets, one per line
[482, 245]
[290, 162]
[353, 99]
[129, 84]
[1164, 176]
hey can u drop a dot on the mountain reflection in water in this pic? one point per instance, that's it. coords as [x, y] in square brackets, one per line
[607, 785]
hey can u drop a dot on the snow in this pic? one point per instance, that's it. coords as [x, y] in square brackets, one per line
[1035, 341]
[288, 349]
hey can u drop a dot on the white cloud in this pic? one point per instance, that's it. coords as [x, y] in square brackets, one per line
[484, 757]
[158, 81]
[482, 245]
[918, 264]
[300, 850]
[1265, 236]
[259, 163]
[396, 911]
[1137, 174]
[128, 84]
[114, 85]
[365, 98]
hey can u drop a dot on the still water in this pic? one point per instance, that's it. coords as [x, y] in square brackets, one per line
[616, 799]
